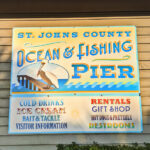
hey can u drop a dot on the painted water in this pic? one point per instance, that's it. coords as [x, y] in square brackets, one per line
[79, 87]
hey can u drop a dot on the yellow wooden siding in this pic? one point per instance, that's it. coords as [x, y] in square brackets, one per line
[49, 141]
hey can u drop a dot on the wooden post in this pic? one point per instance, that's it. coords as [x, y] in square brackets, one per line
[34, 87]
[27, 82]
[22, 80]
[30, 85]
[18, 78]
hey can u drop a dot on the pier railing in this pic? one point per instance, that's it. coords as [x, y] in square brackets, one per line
[31, 83]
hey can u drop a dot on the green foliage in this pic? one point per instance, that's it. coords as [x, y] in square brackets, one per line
[96, 146]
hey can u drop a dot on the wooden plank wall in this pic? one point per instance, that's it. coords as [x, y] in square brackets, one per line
[16, 142]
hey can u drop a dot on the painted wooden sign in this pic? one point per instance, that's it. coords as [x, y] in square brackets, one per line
[78, 114]
[74, 59]
[89, 73]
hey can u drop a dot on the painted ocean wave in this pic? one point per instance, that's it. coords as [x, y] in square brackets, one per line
[78, 87]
